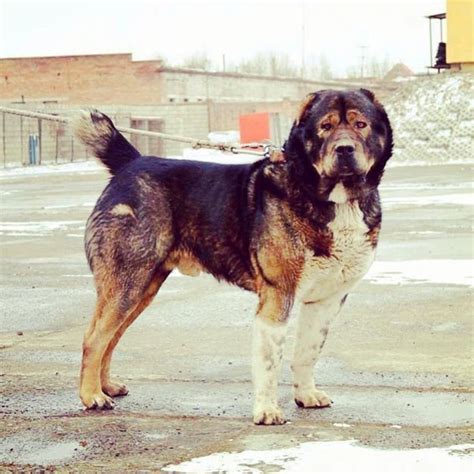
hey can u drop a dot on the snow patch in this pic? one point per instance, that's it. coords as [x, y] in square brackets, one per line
[79, 167]
[333, 456]
[460, 199]
[36, 228]
[453, 272]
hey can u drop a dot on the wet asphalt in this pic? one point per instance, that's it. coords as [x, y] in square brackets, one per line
[397, 363]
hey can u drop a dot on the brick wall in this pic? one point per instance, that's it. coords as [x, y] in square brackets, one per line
[104, 79]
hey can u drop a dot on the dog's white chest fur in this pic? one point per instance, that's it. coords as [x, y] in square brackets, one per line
[350, 258]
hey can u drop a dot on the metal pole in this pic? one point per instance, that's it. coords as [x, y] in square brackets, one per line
[40, 136]
[431, 46]
[21, 140]
[441, 29]
[4, 141]
[303, 53]
[57, 143]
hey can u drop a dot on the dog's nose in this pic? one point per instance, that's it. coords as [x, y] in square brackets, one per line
[345, 150]
[346, 163]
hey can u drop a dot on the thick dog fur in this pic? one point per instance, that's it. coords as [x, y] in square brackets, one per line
[300, 228]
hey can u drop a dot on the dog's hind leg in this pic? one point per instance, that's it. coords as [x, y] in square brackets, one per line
[105, 322]
[110, 387]
[313, 326]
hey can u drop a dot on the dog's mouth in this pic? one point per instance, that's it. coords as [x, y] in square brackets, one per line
[351, 167]
[346, 178]
[348, 187]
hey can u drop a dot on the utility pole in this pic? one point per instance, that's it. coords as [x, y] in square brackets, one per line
[303, 41]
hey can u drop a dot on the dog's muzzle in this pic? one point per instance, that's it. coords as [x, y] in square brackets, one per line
[345, 163]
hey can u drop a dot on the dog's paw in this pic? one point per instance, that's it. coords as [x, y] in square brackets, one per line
[97, 401]
[114, 389]
[312, 398]
[268, 416]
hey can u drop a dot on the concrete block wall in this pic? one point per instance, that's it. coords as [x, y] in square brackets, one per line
[195, 85]
[58, 145]
[225, 115]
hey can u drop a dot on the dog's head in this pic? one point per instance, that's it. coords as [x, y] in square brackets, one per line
[341, 140]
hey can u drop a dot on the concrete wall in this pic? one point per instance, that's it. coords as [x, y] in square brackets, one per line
[195, 85]
[225, 115]
[58, 145]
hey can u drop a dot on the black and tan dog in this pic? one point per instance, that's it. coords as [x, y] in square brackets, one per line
[301, 228]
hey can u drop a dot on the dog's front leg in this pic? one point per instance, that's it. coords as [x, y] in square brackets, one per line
[313, 326]
[269, 333]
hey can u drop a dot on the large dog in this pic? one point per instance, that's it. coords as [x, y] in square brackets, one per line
[300, 228]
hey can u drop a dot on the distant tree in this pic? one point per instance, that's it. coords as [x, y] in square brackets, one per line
[197, 60]
[311, 68]
[378, 67]
[317, 66]
[281, 65]
[325, 71]
[374, 67]
[257, 64]
[353, 72]
[268, 63]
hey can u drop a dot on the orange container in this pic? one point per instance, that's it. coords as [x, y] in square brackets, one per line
[254, 127]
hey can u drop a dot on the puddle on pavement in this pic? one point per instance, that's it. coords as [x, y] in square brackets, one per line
[33, 452]
[156, 436]
[334, 456]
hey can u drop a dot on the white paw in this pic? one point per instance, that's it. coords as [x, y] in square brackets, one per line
[268, 415]
[312, 398]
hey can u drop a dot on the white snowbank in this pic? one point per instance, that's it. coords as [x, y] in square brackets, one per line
[333, 456]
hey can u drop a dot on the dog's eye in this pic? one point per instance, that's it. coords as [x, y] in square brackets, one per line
[361, 124]
[326, 126]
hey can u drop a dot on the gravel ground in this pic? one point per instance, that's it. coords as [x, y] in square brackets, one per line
[398, 361]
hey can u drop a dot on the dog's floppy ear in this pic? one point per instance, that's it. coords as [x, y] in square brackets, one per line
[305, 107]
[369, 94]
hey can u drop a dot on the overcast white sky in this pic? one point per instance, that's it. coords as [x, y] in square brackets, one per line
[238, 29]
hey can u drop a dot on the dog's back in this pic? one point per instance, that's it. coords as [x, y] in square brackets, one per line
[167, 210]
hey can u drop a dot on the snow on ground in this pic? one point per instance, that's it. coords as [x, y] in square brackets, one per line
[80, 167]
[460, 199]
[205, 155]
[451, 272]
[334, 456]
[37, 228]
[93, 166]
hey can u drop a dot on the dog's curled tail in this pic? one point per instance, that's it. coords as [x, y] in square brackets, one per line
[99, 134]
